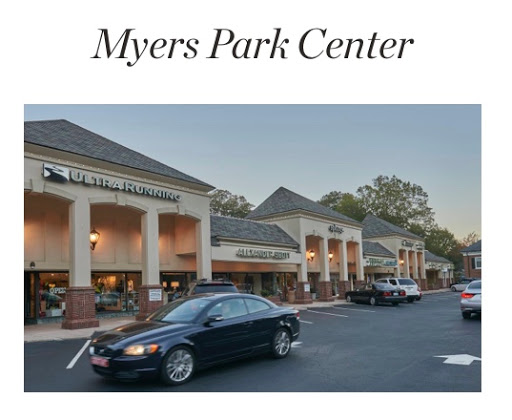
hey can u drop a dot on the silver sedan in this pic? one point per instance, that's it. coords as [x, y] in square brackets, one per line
[471, 299]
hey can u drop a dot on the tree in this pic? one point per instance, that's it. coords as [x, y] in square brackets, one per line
[223, 203]
[442, 242]
[399, 202]
[468, 240]
[344, 203]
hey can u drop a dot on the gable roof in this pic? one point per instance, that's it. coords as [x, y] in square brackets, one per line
[284, 200]
[435, 258]
[375, 227]
[374, 248]
[234, 228]
[68, 137]
[476, 247]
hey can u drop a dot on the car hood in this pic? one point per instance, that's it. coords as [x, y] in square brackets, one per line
[139, 331]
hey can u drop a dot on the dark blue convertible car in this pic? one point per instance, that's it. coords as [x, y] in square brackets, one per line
[192, 333]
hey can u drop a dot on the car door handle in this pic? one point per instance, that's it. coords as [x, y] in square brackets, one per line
[248, 323]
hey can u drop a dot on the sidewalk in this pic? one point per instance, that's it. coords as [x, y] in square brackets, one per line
[54, 332]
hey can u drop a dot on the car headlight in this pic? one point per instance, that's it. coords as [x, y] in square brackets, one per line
[140, 349]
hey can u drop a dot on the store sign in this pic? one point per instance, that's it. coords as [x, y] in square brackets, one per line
[380, 262]
[419, 247]
[407, 243]
[155, 295]
[58, 290]
[62, 175]
[259, 253]
[335, 229]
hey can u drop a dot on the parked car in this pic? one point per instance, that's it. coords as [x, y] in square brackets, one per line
[412, 290]
[376, 293]
[461, 284]
[210, 286]
[471, 299]
[193, 333]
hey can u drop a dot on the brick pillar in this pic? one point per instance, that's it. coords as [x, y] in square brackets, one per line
[145, 304]
[343, 286]
[302, 296]
[80, 308]
[325, 291]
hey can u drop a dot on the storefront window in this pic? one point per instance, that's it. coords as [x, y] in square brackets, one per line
[52, 294]
[116, 292]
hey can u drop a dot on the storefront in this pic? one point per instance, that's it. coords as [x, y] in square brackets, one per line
[439, 271]
[104, 226]
[379, 262]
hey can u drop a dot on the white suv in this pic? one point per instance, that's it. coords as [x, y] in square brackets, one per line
[409, 285]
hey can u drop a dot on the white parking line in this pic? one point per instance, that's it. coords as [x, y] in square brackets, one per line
[305, 322]
[327, 313]
[72, 363]
[350, 309]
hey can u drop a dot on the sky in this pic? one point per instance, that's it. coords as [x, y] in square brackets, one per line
[252, 150]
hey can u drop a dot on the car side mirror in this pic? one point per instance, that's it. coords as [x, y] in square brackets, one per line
[214, 318]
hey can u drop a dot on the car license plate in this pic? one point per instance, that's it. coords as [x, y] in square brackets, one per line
[99, 361]
[395, 293]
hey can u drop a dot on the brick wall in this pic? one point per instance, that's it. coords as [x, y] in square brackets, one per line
[80, 308]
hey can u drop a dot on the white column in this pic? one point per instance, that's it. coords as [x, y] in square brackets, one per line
[203, 249]
[342, 251]
[406, 263]
[302, 269]
[359, 262]
[415, 265]
[324, 260]
[150, 258]
[422, 268]
[79, 244]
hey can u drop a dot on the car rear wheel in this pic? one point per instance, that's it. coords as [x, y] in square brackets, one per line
[178, 366]
[348, 299]
[466, 315]
[454, 289]
[410, 299]
[373, 301]
[418, 297]
[281, 343]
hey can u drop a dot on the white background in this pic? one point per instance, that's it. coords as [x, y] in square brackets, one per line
[460, 56]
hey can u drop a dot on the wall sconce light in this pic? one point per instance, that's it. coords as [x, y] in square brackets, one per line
[311, 255]
[401, 262]
[331, 256]
[94, 237]
[175, 284]
[32, 265]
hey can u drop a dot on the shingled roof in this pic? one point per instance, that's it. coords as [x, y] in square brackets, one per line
[476, 247]
[68, 137]
[374, 248]
[284, 200]
[435, 258]
[233, 228]
[375, 227]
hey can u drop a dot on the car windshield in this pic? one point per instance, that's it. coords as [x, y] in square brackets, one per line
[408, 282]
[182, 310]
[384, 286]
[475, 285]
[214, 288]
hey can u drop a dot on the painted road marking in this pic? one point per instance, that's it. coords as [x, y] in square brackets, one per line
[296, 344]
[327, 313]
[72, 363]
[350, 309]
[305, 322]
[460, 359]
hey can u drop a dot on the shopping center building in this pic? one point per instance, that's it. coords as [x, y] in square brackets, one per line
[109, 232]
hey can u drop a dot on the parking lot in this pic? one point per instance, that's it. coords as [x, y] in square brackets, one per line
[416, 347]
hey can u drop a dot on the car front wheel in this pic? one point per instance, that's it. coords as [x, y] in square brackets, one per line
[466, 315]
[178, 366]
[348, 299]
[281, 343]
[454, 289]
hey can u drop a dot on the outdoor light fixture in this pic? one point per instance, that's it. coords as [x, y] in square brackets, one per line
[401, 262]
[311, 255]
[331, 255]
[94, 237]
[32, 265]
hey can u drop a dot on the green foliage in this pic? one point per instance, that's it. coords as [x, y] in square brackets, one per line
[223, 203]
[266, 293]
[344, 203]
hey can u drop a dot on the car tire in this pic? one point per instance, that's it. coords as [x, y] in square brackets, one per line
[281, 343]
[466, 315]
[348, 299]
[418, 297]
[373, 301]
[454, 289]
[410, 299]
[178, 366]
